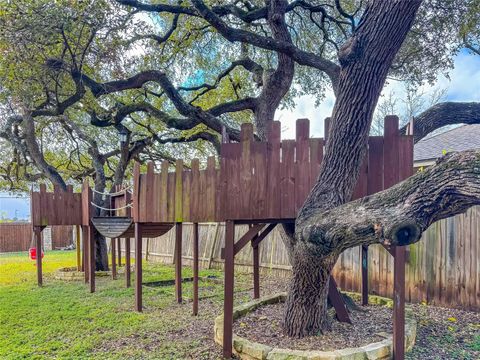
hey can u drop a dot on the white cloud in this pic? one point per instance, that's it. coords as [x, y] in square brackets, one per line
[463, 85]
[305, 108]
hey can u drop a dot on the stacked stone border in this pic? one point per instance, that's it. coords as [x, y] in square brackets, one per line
[249, 350]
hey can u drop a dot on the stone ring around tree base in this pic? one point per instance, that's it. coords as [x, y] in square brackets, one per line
[249, 350]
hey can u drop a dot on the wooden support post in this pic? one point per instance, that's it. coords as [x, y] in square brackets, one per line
[91, 260]
[337, 301]
[364, 274]
[77, 246]
[228, 289]
[127, 263]
[114, 254]
[195, 269]
[138, 267]
[256, 268]
[86, 257]
[399, 303]
[178, 262]
[38, 245]
[119, 249]
[256, 273]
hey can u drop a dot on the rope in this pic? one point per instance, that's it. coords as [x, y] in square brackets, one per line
[120, 208]
[113, 194]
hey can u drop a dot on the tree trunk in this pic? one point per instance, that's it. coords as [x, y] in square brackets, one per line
[306, 306]
[101, 253]
[365, 60]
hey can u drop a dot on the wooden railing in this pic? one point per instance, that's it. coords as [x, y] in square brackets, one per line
[256, 180]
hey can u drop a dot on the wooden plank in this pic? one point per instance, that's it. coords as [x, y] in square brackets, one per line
[399, 304]
[390, 152]
[231, 154]
[273, 173]
[195, 269]
[86, 256]
[256, 268]
[256, 242]
[127, 263]
[148, 203]
[219, 192]
[337, 301]
[114, 262]
[211, 184]
[375, 165]
[202, 196]
[245, 175]
[228, 289]
[178, 262]
[38, 247]
[302, 167]
[245, 239]
[91, 261]
[138, 268]
[287, 179]
[316, 157]
[178, 190]
[164, 191]
[391, 176]
[156, 198]
[171, 197]
[195, 191]
[186, 195]
[374, 184]
[258, 192]
[136, 192]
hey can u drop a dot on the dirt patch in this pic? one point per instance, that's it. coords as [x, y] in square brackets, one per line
[264, 325]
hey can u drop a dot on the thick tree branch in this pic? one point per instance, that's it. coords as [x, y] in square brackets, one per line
[400, 214]
[276, 84]
[268, 43]
[442, 114]
[194, 114]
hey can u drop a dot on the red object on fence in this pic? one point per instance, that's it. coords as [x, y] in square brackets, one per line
[33, 253]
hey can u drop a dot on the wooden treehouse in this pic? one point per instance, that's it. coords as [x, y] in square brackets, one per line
[252, 182]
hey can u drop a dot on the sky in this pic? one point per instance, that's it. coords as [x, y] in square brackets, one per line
[11, 207]
[463, 85]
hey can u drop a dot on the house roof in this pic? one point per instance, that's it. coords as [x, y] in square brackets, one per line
[462, 138]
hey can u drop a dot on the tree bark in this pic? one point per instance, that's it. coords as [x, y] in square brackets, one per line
[365, 60]
[276, 84]
[306, 305]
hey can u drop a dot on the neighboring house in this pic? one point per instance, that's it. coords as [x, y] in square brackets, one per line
[461, 138]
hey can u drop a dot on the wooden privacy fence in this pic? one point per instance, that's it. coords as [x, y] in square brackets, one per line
[18, 236]
[441, 269]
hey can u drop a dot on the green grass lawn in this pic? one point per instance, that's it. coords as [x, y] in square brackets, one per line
[62, 320]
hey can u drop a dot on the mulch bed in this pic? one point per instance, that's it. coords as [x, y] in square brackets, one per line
[264, 325]
[444, 333]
